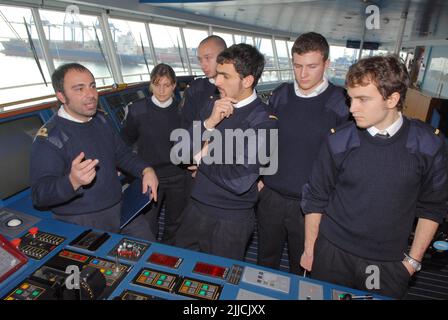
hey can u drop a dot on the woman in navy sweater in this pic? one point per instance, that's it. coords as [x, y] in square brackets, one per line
[149, 123]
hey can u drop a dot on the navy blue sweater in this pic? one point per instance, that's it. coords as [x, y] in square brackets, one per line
[233, 186]
[370, 189]
[151, 126]
[196, 97]
[51, 160]
[303, 124]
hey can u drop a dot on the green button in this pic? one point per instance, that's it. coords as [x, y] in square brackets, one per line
[19, 291]
[159, 282]
[162, 277]
[202, 293]
[205, 287]
[147, 273]
[188, 283]
[35, 293]
[108, 272]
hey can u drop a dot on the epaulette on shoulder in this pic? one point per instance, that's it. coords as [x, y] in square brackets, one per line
[424, 138]
[52, 133]
[42, 132]
[338, 102]
[138, 102]
[343, 138]
[279, 94]
[197, 84]
[46, 129]
[279, 88]
[349, 125]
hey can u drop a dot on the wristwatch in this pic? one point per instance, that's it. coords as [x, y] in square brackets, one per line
[415, 264]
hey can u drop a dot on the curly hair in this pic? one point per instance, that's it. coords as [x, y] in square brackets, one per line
[246, 59]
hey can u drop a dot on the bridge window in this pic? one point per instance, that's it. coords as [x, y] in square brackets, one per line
[16, 56]
[228, 38]
[77, 38]
[132, 47]
[284, 60]
[192, 39]
[169, 48]
[241, 38]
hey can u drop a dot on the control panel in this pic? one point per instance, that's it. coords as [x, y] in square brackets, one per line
[37, 244]
[112, 266]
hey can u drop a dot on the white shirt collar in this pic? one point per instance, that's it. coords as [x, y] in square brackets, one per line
[391, 130]
[212, 80]
[63, 114]
[246, 101]
[316, 91]
[165, 104]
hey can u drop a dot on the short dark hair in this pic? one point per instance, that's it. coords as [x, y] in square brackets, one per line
[162, 70]
[57, 78]
[214, 38]
[387, 73]
[311, 41]
[246, 59]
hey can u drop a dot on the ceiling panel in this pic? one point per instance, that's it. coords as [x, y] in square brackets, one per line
[338, 20]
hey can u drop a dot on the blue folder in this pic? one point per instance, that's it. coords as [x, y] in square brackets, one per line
[133, 201]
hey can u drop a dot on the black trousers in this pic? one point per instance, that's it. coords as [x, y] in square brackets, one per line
[337, 266]
[216, 231]
[173, 194]
[109, 220]
[279, 219]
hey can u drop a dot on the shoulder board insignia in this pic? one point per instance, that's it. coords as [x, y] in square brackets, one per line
[42, 132]
[333, 130]
[436, 132]
[273, 117]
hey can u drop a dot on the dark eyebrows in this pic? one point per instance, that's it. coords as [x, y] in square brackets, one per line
[78, 85]
[223, 73]
[81, 85]
[361, 97]
[307, 65]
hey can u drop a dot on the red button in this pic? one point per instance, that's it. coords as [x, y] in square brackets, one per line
[16, 242]
[33, 231]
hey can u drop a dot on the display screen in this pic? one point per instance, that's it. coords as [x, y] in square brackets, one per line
[164, 260]
[210, 270]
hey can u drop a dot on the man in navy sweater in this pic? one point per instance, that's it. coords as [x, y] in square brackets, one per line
[219, 218]
[198, 92]
[370, 182]
[75, 157]
[306, 110]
